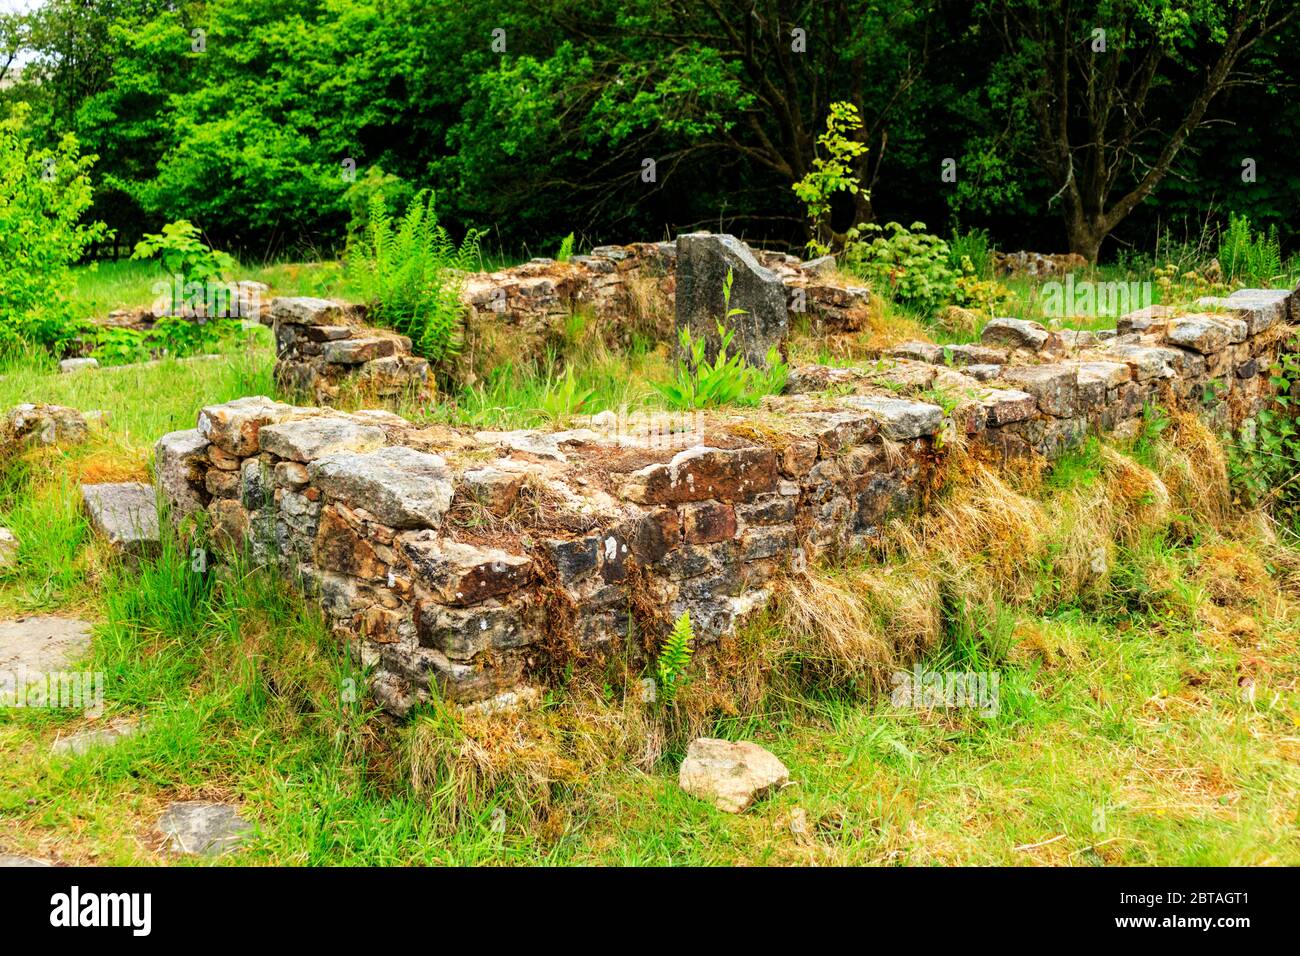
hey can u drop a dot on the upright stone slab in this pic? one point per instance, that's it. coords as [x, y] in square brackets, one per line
[702, 264]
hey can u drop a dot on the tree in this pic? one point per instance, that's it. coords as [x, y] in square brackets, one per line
[1114, 89]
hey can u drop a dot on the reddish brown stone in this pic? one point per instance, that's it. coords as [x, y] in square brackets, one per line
[339, 548]
[708, 521]
[700, 474]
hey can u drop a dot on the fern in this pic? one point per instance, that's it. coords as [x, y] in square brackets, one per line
[675, 656]
[1247, 257]
[566, 249]
[413, 273]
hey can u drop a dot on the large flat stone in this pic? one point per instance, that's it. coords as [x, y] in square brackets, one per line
[43, 644]
[1055, 386]
[899, 418]
[703, 261]
[401, 487]
[460, 574]
[125, 513]
[313, 438]
[1018, 334]
[700, 473]
[306, 310]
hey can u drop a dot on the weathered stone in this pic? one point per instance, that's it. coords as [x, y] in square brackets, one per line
[701, 473]
[67, 366]
[1005, 406]
[229, 522]
[125, 513]
[341, 549]
[572, 559]
[222, 484]
[30, 424]
[255, 487]
[234, 426]
[1147, 362]
[840, 429]
[970, 354]
[1055, 386]
[462, 633]
[196, 828]
[402, 487]
[1260, 309]
[290, 474]
[11, 860]
[1196, 332]
[358, 350]
[731, 775]
[304, 310]
[1109, 374]
[461, 574]
[96, 737]
[703, 262]
[707, 521]
[918, 351]
[8, 549]
[493, 488]
[1018, 334]
[900, 419]
[313, 438]
[42, 644]
[178, 462]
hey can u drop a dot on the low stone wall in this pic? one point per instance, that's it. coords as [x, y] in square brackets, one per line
[324, 347]
[486, 563]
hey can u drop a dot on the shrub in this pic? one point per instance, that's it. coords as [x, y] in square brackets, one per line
[910, 263]
[1265, 464]
[43, 194]
[182, 251]
[412, 273]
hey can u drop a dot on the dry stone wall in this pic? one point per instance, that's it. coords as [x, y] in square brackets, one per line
[478, 565]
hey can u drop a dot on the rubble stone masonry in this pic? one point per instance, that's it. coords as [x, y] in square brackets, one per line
[483, 563]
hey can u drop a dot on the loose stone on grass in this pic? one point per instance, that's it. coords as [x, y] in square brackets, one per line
[125, 513]
[196, 828]
[731, 775]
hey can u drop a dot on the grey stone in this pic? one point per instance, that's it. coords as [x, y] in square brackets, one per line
[983, 373]
[305, 310]
[462, 633]
[1004, 406]
[87, 740]
[313, 438]
[1146, 361]
[970, 354]
[195, 828]
[234, 426]
[8, 549]
[178, 463]
[1111, 374]
[702, 265]
[401, 487]
[918, 351]
[1197, 332]
[459, 574]
[42, 644]
[1055, 386]
[899, 418]
[9, 860]
[68, 366]
[44, 425]
[358, 350]
[1141, 320]
[125, 513]
[730, 775]
[1016, 334]
[821, 266]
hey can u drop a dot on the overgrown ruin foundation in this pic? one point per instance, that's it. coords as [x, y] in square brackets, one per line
[482, 563]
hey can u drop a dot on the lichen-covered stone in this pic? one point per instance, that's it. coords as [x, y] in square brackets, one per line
[179, 467]
[703, 262]
[701, 473]
[461, 574]
[313, 438]
[404, 488]
[899, 419]
[126, 513]
[234, 426]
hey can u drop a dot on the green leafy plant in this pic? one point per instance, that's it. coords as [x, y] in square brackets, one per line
[675, 656]
[413, 273]
[566, 249]
[563, 397]
[182, 251]
[1265, 463]
[1247, 257]
[912, 264]
[726, 379]
[832, 172]
[43, 195]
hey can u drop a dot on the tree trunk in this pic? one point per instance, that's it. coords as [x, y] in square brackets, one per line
[1085, 236]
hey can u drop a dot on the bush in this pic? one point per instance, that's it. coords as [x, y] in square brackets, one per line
[43, 194]
[1265, 464]
[412, 274]
[910, 263]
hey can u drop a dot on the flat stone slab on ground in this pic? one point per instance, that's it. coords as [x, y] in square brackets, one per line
[7, 860]
[42, 644]
[730, 774]
[125, 513]
[105, 736]
[197, 828]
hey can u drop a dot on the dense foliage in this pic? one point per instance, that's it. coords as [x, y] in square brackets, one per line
[272, 123]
